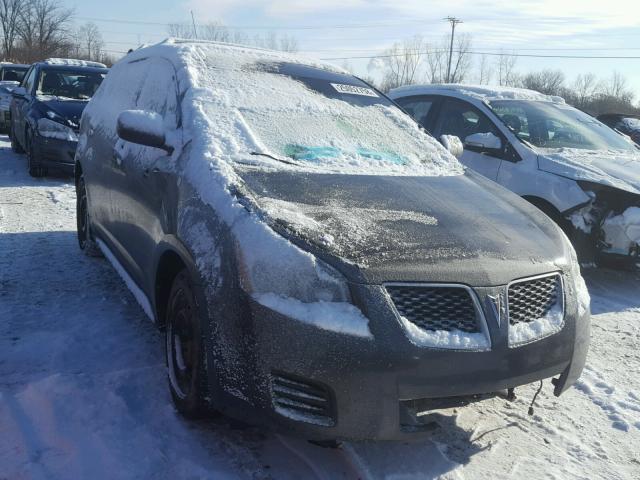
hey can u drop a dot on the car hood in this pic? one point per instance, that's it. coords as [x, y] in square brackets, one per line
[613, 168]
[67, 108]
[375, 229]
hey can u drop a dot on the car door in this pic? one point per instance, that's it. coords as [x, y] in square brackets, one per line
[21, 105]
[461, 119]
[147, 172]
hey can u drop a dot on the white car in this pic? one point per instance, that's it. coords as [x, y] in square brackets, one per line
[580, 172]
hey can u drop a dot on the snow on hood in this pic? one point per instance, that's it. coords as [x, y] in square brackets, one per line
[483, 93]
[618, 169]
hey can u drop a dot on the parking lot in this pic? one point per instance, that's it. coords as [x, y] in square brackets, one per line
[83, 390]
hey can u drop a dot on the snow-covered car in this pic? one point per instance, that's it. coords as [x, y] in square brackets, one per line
[6, 87]
[624, 123]
[46, 110]
[317, 261]
[577, 170]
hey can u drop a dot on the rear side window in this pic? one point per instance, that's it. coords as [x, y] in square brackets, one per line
[417, 107]
[463, 119]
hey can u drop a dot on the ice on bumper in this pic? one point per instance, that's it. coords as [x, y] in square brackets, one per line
[622, 232]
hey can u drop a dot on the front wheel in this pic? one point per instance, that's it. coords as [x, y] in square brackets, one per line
[35, 169]
[15, 146]
[185, 350]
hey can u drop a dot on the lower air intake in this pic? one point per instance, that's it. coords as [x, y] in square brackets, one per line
[302, 400]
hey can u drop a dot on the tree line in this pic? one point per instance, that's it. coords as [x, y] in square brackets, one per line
[417, 61]
[33, 30]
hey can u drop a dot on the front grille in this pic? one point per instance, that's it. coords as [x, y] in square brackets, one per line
[530, 300]
[436, 308]
[302, 400]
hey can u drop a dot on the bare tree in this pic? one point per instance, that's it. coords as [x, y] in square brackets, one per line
[584, 88]
[401, 63]
[461, 62]
[88, 42]
[217, 32]
[9, 16]
[617, 87]
[507, 76]
[549, 82]
[484, 71]
[436, 65]
[44, 29]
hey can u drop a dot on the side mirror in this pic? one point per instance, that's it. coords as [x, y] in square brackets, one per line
[19, 92]
[453, 144]
[482, 142]
[143, 128]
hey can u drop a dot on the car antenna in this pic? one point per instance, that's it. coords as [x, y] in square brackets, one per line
[533, 401]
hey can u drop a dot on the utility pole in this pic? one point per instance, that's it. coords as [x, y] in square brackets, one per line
[193, 21]
[453, 21]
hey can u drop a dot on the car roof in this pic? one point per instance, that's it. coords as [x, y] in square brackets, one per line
[20, 66]
[482, 93]
[230, 55]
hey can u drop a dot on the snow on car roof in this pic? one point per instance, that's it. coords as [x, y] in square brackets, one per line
[480, 92]
[74, 62]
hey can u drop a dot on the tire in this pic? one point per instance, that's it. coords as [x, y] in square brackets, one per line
[83, 221]
[35, 169]
[186, 350]
[15, 146]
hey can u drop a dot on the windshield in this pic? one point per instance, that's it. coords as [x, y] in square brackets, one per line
[555, 126]
[79, 85]
[322, 120]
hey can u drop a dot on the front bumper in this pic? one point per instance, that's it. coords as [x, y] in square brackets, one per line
[54, 153]
[370, 381]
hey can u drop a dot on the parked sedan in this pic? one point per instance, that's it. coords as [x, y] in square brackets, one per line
[6, 87]
[46, 110]
[624, 123]
[577, 170]
[317, 261]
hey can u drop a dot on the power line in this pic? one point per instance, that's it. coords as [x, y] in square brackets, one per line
[497, 54]
[269, 27]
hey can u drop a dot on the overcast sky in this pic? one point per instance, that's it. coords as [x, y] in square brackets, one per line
[357, 28]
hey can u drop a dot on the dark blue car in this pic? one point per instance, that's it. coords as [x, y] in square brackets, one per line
[46, 110]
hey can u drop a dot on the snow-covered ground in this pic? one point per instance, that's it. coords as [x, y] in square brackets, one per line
[83, 391]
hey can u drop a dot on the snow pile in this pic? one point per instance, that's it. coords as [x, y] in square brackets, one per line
[622, 232]
[483, 93]
[454, 339]
[526, 332]
[339, 317]
[615, 168]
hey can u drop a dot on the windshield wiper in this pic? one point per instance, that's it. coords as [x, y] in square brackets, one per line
[282, 160]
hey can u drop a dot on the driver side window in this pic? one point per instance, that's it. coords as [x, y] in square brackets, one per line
[463, 119]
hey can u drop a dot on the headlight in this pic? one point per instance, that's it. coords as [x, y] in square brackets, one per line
[50, 129]
[290, 272]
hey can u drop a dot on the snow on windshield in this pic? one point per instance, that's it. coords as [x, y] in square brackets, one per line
[270, 113]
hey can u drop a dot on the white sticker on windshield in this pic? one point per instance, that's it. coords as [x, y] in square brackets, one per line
[354, 90]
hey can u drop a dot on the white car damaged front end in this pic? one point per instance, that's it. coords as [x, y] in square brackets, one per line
[607, 208]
